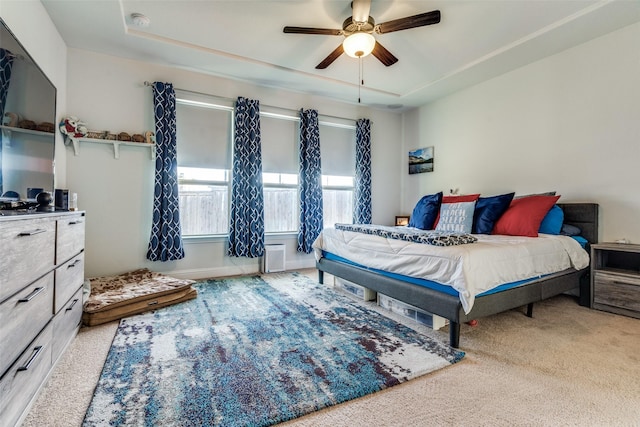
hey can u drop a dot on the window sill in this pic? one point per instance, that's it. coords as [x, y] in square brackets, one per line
[224, 237]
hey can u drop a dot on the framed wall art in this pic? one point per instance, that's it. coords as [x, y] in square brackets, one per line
[421, 160]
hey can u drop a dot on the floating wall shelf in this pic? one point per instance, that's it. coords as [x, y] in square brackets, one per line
[116, 145]
[8, 130]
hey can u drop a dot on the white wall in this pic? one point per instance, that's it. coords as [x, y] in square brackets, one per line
[30, 23]
[108, 94]
[569, 123]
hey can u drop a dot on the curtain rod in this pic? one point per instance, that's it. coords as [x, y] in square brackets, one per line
[147, 83]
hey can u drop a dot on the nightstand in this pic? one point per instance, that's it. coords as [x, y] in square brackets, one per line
[615, 278]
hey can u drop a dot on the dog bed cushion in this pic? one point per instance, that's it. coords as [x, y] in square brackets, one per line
[115, 297]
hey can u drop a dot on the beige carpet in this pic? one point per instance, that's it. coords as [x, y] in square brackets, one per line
[568, 366]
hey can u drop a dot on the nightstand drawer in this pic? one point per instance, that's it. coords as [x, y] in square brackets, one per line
[616, 290]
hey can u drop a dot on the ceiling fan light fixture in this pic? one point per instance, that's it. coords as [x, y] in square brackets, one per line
[359, 44]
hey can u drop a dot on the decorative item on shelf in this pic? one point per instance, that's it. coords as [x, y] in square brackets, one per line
[27, 124]
[136, 137]
[97, 134]
[149, 137]
[46, 127]
[72, 127]
[111, 136]
[123, 136]
[14, 118]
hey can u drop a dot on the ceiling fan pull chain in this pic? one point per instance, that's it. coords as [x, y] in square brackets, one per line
[360, 77]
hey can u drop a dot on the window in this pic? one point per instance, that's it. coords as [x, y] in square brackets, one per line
[204, 201]
[337, 195]
[204, 133]
[338, 148]
[280, 203]
[279, 138]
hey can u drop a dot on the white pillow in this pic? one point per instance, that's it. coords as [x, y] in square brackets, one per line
[456, 217]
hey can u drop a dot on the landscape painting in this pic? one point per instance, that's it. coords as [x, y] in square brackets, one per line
[421, 160]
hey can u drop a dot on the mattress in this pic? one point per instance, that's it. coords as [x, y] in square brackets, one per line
[470, 269]
[115, 297]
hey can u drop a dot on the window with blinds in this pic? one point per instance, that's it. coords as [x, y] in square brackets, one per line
[204, 127]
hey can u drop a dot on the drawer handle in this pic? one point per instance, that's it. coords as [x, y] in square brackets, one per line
[36, 352]
[72, 304]
[616, 282]
[32, 295]
[74, 263]
[31, 233]
[75, 222]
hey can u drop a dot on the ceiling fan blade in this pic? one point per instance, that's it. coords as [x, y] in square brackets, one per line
[307, 30]
[414, 21]
[383, 55]
[361, 10]
[332, 57]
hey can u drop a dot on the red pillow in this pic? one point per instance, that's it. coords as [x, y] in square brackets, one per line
[524, 216]
[457, 199]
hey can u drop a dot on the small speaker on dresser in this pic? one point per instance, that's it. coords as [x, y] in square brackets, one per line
[62, 199]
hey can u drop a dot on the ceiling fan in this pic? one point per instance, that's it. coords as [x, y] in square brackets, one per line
[358, 31]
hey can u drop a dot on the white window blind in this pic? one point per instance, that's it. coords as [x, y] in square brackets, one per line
[338, 149]
[279, 137]
[203, 134]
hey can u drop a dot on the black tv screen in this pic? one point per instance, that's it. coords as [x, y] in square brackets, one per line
[27, 107]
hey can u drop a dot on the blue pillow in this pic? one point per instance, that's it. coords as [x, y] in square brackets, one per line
[488, 211]
[552, 221]
[456, 217]
[426, 211]
[570, 230]
[583, 242]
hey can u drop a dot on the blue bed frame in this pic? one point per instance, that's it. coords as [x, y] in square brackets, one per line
[583, 215]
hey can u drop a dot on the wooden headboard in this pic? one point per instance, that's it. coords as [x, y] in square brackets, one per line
[584, 216]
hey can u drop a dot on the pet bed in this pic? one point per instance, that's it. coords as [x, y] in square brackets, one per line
[115, 297]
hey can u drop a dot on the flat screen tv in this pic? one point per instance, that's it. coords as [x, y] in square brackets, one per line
[28, 110]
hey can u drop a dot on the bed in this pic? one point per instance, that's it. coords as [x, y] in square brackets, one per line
[450, 306]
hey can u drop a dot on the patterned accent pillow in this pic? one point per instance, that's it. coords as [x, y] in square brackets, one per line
[457, 217]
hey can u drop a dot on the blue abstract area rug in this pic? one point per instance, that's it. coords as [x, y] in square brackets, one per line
[255, 351]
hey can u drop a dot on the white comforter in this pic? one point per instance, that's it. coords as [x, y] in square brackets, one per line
[470, 269]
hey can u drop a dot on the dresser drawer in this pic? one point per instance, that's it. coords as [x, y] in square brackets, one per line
[65, 324]
[23, 380]
[69, 277]
[27, 252]
[616, 290]
[70, 237]
[22, 316]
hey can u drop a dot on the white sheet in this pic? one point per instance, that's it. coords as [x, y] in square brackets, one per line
[470, 269]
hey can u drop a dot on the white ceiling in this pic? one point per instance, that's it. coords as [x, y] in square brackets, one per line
[243, 39]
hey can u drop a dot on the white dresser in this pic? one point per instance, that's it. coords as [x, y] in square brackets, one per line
[41, 278]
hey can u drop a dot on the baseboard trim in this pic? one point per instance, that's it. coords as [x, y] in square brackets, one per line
[235, 270]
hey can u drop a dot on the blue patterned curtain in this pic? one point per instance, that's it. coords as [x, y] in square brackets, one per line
[166, 240]
[246, 231]
[310, 181]
[362, 196]
[6, 62]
